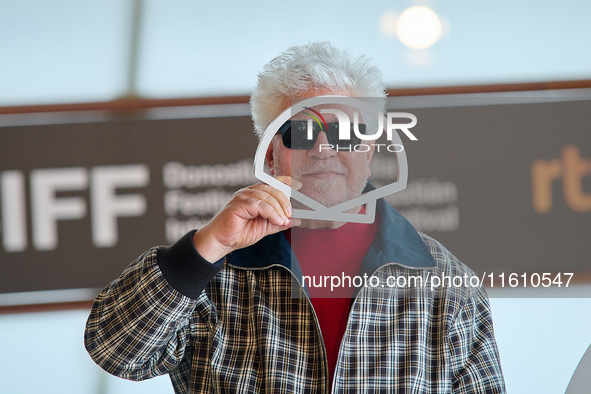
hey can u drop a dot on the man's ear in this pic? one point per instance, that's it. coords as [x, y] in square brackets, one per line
[269, 159]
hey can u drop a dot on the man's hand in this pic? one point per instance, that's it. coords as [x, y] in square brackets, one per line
[253, 213]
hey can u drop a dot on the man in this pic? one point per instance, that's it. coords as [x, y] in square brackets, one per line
[222, 310]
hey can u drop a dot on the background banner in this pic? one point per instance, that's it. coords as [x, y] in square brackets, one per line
[505, 187]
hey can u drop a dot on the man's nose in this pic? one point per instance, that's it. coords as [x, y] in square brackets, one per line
[322, 149]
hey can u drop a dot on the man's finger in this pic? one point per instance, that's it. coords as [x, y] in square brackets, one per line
[267, 211]
[271, 197]
[278, 195]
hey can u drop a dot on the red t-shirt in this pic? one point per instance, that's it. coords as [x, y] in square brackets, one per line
[332, 252]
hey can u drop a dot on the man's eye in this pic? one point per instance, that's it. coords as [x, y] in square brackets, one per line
[299, 126]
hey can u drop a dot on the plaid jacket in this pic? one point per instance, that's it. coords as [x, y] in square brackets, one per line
[236, 326]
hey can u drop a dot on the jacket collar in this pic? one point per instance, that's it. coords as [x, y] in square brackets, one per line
[396, 241]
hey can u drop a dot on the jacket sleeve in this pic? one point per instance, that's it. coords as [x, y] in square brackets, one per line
[138, 326]
[475, 362]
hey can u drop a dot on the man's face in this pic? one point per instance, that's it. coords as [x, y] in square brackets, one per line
[327, 176]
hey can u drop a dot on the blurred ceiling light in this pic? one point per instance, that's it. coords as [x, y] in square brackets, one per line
[418, 27]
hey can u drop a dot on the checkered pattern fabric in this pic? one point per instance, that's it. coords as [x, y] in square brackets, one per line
[246, 333]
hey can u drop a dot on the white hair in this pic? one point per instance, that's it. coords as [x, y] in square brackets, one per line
[313, 67]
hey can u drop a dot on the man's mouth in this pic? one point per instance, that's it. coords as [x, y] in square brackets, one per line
[328, 169]
[323, 174]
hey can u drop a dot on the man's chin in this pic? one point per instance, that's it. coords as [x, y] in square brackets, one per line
[327, 197]
[328, 192]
